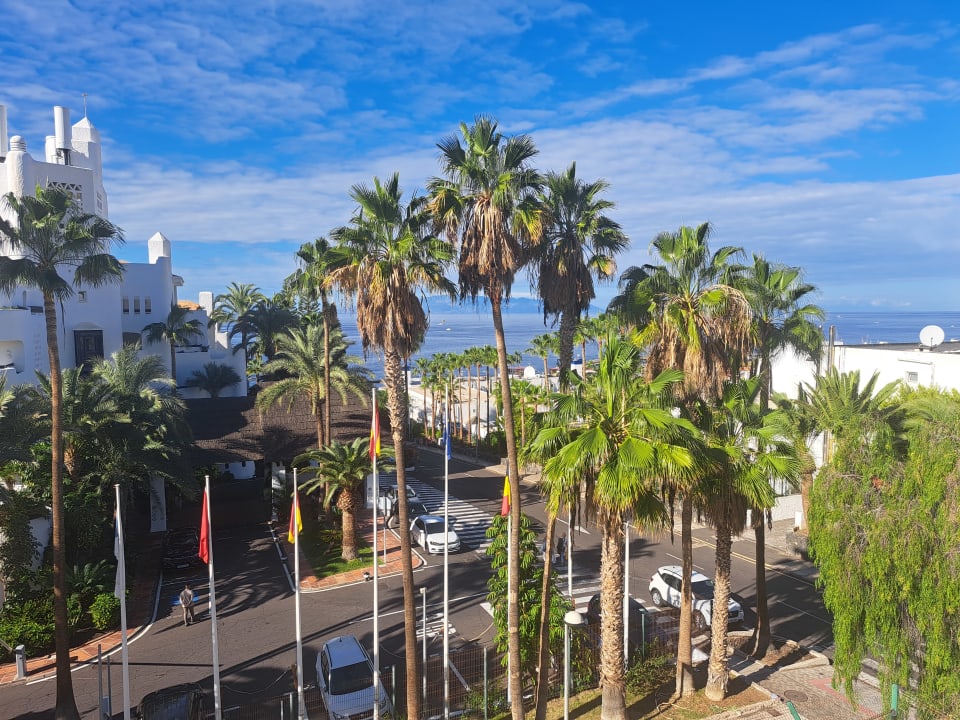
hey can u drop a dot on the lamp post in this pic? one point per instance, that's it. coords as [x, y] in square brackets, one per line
[571, 619]
[423, 593]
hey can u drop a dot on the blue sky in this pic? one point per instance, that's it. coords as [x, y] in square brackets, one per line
[819, 134]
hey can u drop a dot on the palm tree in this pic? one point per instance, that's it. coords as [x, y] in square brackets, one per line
[392, 259]
[214, 378]
[339, 469]
[299, 365]
[749, 455]
[312, 282]
[232, 305]
[486, 201]
[579, 243]
[542, 346]
[694, 323]
[781, 320]
[47, 235]
[265, 321]
[618, 434]
[177, 329]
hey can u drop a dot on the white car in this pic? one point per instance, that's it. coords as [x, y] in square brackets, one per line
[429, 532]
[345, 679]
[665, 590]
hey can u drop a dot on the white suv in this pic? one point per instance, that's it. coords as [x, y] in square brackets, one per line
[665, 589]
[345, 679]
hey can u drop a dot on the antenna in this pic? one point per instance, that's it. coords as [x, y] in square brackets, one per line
[931, 336]
[84, 104]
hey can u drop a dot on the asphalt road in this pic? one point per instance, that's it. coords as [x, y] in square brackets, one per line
[255, 606]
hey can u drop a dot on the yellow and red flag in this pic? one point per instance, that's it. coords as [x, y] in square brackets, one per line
[375, 431]
[505, 503]
[296, 524]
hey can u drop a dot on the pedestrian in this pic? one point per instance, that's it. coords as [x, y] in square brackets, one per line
[561, 549]
[186, 602]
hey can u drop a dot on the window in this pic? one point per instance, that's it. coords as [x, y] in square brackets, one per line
[912, 376]
[147, 306]
[88, 346]
[136, 305]
[82, 296]
[125, 302]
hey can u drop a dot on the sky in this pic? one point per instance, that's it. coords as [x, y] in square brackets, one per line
[819, 134]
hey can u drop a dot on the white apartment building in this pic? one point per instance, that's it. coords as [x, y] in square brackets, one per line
[95, 322]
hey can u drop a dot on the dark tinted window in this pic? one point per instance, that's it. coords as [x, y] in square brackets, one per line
[671, 580]
[703, 589]
[350, 678]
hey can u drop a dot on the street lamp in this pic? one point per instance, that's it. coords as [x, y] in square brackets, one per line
[423, 671]
[571, 619]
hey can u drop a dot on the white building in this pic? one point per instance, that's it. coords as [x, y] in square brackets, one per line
[95, 322]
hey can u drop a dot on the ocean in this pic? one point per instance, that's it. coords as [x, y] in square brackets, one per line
[456, 331]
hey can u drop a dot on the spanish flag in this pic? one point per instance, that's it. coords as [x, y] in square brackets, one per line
[505, 503]
[375, 431]
[296, 524]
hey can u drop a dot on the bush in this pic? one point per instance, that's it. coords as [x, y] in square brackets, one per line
[104, 611]
[646, 676]
[29, 624]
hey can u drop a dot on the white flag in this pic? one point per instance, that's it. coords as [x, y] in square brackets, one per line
[120, 586]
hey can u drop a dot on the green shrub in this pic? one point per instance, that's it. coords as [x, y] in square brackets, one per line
[104, 611]
[645, 676]
[74, 612]
[29, 624]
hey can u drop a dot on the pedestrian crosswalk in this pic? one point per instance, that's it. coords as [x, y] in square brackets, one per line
[471, 522]
[434, 625]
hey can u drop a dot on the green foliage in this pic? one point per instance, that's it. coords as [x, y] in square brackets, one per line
[531, 584]
[18, 549]
[647, 675]
[89, 580]
[29, 624]
[105, 611]
[884, 534]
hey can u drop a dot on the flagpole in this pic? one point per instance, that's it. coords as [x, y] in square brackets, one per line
[122, 586]
[446, 563]
[295, 510]
[217, 707]
[374, 449]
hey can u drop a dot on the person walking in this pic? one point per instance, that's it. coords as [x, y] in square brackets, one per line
[561, 549]
[186, 602]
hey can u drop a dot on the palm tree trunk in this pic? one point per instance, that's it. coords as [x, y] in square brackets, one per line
[760, 642]
[568, 326]
[348, 545]
[173, 365]
[684, 686]
[66, 707]
[612, 679]
[513, 473]
[397, 405]
[327, 427]
[718, 673]
[543, 665]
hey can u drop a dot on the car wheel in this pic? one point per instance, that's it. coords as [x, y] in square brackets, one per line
[699, 622]
[655, 596]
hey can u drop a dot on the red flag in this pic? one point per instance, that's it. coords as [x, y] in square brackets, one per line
[296, 524]
[505, 503]
[375, 431]
[204, 532]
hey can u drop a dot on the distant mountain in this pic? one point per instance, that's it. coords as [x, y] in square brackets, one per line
[516, 305]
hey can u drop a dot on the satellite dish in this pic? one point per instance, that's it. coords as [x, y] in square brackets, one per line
[931, 336]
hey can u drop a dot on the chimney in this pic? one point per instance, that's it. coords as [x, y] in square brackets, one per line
[63, 133]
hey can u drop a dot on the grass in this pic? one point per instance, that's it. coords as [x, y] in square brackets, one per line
[322, 549]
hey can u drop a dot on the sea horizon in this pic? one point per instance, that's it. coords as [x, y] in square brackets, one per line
[465, 327]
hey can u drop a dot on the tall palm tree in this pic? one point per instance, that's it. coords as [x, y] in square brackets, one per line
[618, 434]
[782, 320]
[486, 201]
[312, 281]
[230, 306]
[393, 259]
[265, 321]
[339, 469]
[299, 364]
[214, 378]
[750, 453]
[48, 235]
[579, 243]
[542, 346]
[177, 329]
[693, 322]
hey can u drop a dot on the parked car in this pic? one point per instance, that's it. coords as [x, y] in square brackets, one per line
[665, 589]
[345, 679]
[430, 533]
[181, 548]
[179, 702]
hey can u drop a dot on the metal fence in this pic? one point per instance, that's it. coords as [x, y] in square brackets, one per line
[476, 684]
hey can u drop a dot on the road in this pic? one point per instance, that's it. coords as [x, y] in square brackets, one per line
[255, 603]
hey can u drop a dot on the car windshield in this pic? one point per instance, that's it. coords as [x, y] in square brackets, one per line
[703, 589]
[434, 527]
[350, 678]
